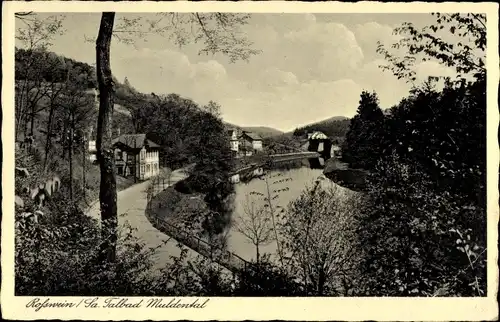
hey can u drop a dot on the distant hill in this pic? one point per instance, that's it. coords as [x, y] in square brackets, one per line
[334, 118]
[336, 126]
[263, 131]
[319, 123]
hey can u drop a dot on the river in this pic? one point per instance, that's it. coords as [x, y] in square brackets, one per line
[297, 181]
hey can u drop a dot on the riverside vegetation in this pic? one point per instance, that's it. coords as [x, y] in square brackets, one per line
[419, 230]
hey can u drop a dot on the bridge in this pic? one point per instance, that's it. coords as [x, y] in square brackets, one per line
[275, 158]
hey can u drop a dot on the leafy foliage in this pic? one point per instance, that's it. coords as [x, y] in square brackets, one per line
[264, 278]
[466, 55]
[428, 191]
[362, 145]
[420, 254]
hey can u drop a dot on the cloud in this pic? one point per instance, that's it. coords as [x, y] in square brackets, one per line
[322, 51]
[209, 71]
[284, 22]
[311, 68]
[432, 68]
[310, 49]
[271, 78]
[294, 105]
[273, 96]
[389, 89]
[368, 34]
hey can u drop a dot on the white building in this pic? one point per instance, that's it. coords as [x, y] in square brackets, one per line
[233, 139]
[253, 138]
[135, 155]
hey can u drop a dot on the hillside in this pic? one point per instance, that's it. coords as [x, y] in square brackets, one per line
[320, 123]
[336, 126]
[334, 118]
[263, 131]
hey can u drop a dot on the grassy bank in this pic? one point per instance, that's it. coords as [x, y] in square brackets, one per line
[181, 210]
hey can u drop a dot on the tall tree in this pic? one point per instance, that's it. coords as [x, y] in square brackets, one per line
[213, 108]
[362, 146]
[219, 32]
[105, 156]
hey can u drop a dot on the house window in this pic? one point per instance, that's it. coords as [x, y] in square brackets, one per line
[148, 168]
[142, 169]
[143, 154]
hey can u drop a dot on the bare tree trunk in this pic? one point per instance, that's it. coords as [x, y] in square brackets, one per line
[269, 200]
[321, 282]
[49, 134]
[105, 156]
[25, 130]
[64, 136]
[33, 115]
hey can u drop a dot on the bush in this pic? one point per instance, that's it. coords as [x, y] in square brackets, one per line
[319, 237]
[266, 279]
[419, 241]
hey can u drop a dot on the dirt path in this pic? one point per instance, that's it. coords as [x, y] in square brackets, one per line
[132, 204]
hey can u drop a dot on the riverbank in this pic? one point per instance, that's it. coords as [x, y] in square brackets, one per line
[180, 209]
[167, 212]
[340, 173]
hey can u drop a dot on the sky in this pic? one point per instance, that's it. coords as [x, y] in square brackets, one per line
[312, 66]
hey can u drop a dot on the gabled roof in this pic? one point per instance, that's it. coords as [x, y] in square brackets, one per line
[246, 145]
[251, 135]
[318, 136]
[135, 141]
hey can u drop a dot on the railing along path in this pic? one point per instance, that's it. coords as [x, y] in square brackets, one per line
[225, 258]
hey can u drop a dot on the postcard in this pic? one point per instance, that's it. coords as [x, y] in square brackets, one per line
[250, 161]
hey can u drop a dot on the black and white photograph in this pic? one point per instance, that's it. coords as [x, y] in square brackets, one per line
[250, 154]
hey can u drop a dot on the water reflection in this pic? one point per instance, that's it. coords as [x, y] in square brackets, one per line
[300, 178]
[317, 163]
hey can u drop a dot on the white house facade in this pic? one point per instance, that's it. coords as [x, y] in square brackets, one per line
[253, 138]
[137, 156]
[233, 139]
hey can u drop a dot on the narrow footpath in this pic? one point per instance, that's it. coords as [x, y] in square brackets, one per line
[132, 203]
